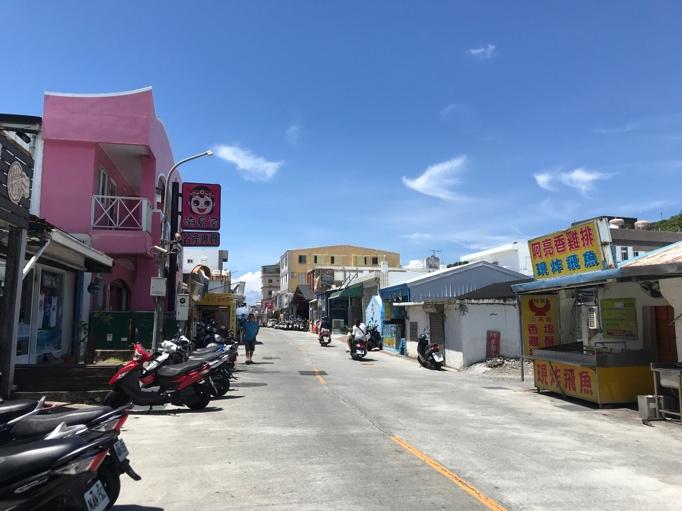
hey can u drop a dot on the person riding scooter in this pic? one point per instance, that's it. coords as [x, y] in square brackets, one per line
[358, 333]
[324, 331]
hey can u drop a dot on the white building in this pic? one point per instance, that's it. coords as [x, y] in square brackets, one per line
[513, 256]
[213, 258]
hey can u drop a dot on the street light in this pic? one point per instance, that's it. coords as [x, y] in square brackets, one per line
[165, 242]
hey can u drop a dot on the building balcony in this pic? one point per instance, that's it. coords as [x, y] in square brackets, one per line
[122, 225]
[121, 213]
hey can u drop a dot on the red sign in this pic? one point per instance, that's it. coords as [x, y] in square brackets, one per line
[200, 239]
[492, 344]
[200, 207]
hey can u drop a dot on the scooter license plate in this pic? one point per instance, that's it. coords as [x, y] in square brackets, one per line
[96, 498]
[121, 450]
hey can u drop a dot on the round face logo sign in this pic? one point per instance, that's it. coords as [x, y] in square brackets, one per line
[18, 183]
[201, 201]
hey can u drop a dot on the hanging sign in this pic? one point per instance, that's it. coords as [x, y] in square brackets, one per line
[200, 207]
[200, 239]
[575, 250]
[539, 322]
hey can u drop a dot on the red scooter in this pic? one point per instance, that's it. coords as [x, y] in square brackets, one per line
[179, 384]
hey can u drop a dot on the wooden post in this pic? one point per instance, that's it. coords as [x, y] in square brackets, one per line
[16, 248]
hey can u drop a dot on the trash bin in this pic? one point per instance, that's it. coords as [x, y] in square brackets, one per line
[402, 348]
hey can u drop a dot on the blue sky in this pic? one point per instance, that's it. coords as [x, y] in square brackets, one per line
[407, 126]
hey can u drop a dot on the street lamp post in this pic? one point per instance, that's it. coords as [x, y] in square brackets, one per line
[166, 245]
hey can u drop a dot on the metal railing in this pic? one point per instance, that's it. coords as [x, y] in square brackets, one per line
[121, 213]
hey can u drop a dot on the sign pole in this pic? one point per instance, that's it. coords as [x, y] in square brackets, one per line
[173, 258]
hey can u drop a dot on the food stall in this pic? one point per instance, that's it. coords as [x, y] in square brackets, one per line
[593, 331]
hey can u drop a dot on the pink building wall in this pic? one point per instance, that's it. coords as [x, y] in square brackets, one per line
[74, 129]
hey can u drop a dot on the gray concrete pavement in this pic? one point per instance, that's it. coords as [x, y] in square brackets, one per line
[286, 440]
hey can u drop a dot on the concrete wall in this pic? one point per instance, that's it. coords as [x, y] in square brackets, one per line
[481, 317]
[466, 326]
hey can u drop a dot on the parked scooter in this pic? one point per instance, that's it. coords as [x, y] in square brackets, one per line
[180, 384]
[375, 341]
[88, 424]
[56, 474]
[429, 355]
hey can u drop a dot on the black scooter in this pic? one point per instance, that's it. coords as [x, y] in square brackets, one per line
[375, 340]
[55, 475]
[428, 354]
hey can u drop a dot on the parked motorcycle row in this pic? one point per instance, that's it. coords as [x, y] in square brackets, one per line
[54, 459]
[428, 354]
[295, 323]
[176, 373]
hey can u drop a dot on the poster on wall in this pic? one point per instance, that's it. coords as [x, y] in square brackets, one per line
[568, 252]
[619, 318]
[539, 322]
[201, 206]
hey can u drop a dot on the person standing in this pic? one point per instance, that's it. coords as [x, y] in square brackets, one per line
[250, 329]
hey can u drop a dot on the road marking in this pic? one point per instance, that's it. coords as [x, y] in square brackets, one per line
[461, 483]
[319, 377]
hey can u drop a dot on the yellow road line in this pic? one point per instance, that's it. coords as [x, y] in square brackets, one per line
[319, 377]
[461, 483]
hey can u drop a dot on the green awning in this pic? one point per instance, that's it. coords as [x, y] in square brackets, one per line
[349, 292]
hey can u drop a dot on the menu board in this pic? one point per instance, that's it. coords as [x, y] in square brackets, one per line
[619, 318]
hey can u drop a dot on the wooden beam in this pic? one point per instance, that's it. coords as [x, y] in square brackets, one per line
[9, 308]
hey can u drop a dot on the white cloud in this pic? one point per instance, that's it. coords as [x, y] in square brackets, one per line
[293, 133]
[544, 180]
[627, 127]
[482, 53]
[439, 179]
[580, 179]
[251, 166]
[252, 289]
[415, 264]
[455, 109]
[418, 236]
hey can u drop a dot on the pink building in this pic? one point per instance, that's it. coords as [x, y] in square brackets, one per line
[105, 157]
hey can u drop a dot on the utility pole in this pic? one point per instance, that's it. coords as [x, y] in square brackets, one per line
[167, 246]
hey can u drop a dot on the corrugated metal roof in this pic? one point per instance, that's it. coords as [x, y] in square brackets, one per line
[670, 254]
[568, 281]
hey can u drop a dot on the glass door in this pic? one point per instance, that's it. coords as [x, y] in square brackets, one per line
[25, 319]
[50, 312]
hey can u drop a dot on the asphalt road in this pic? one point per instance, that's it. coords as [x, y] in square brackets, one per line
[307, 428]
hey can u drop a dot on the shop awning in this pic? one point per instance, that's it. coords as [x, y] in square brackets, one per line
[62, 248]
[581, 279]
[354, 291]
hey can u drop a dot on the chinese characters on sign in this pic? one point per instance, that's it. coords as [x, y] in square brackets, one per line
[575, 381]
[201, 206]
[619, 318]
[574, 250]
[539, 321]
[200, 239]
[200, 212]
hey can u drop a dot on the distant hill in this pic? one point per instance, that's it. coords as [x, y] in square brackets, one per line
[674, 223]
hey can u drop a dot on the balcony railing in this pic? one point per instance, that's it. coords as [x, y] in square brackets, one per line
[121, 213]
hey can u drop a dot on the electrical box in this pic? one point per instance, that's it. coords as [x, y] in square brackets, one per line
[157, 286]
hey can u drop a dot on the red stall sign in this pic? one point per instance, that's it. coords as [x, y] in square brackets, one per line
[200, 207]
[492, 344]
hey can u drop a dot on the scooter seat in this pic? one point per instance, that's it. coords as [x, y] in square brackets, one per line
[177, 369]
[207, 357]
[40, 425]
[12, 409]
[25, 459]
[204, 351]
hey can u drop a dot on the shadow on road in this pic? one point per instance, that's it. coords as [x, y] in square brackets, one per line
[249, 384]
[221, 398]
[175, 411]
[135, 507]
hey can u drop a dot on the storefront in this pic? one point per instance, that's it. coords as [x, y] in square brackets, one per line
[218, 307]
[592, 335]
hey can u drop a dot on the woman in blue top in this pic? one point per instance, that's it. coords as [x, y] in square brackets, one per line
[250, 331]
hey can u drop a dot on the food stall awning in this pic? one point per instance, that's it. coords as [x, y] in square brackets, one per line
[354, 291]
[580, 279]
